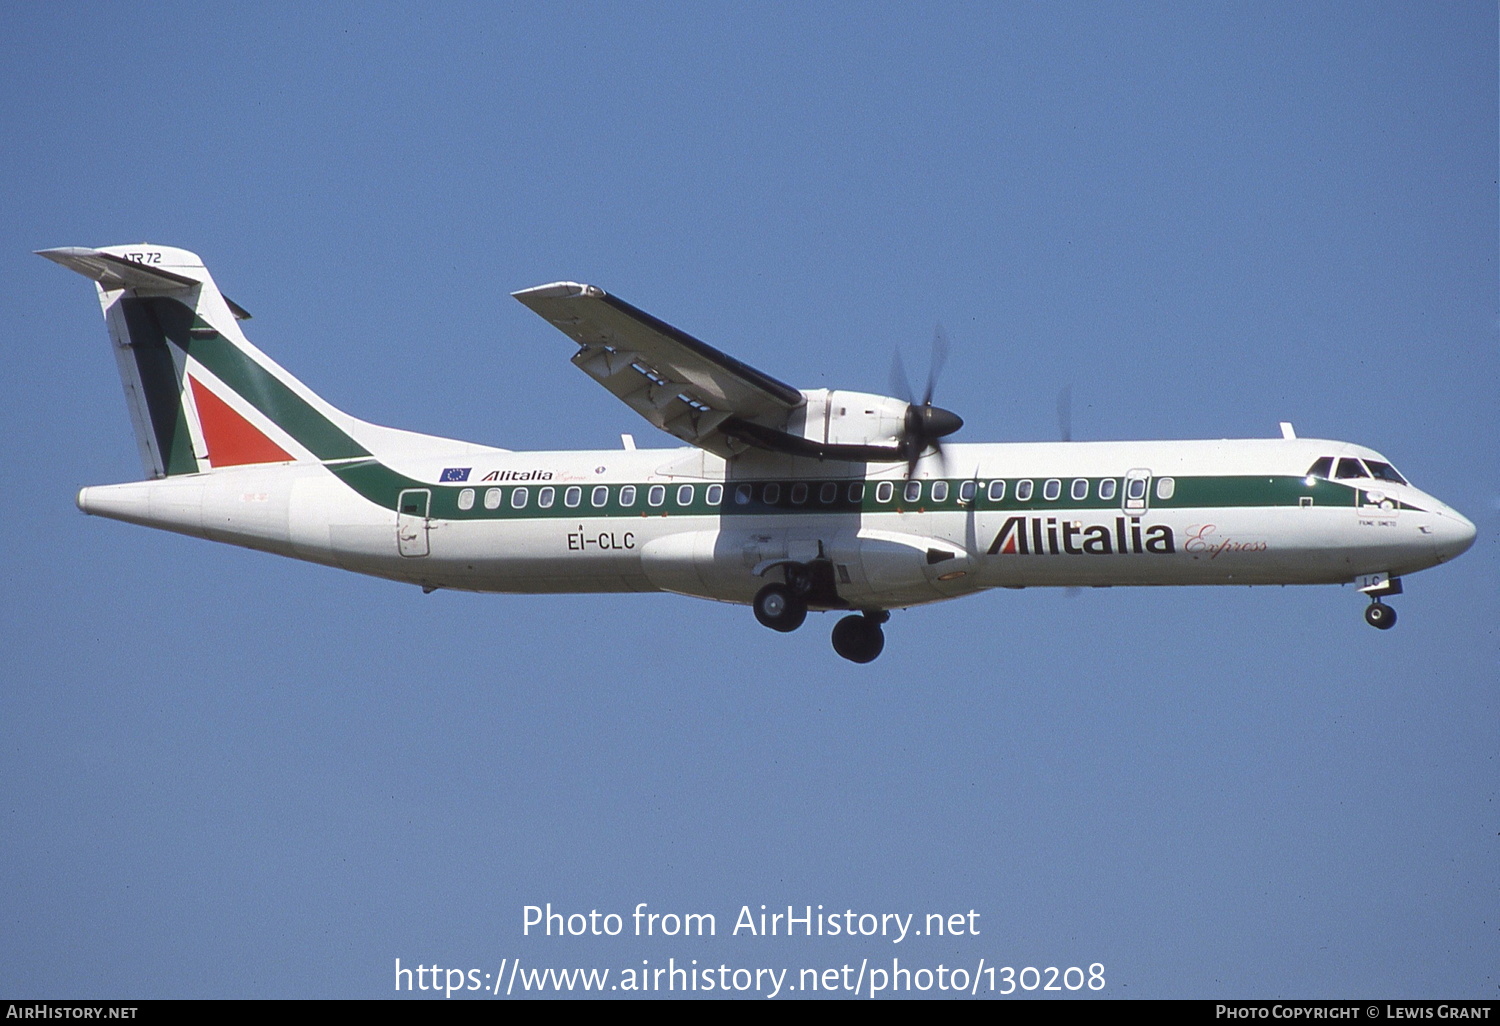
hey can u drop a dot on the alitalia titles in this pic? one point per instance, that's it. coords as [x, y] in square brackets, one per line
[1051, 536]
[518, 475]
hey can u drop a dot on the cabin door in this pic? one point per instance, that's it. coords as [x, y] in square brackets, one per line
[412, 507]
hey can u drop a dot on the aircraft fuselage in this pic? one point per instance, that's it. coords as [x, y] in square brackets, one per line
[790, 500]
[1077, 514]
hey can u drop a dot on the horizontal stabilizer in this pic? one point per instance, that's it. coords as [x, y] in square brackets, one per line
[116, 272]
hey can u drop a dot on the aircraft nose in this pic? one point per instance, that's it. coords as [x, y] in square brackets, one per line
[1455, 533]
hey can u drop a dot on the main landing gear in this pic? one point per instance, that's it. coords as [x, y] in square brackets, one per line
[858, 638]
[783, 607]
[780, 608]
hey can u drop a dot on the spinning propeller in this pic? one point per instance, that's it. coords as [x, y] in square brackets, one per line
[926, 424]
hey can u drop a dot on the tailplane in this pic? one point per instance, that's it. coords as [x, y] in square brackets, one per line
[200, 395]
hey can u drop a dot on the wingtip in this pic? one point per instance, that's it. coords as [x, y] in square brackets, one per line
[558, 290]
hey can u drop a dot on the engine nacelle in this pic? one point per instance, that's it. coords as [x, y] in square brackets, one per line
[839, 417]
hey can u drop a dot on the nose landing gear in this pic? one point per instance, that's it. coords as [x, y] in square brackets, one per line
[1378, 614]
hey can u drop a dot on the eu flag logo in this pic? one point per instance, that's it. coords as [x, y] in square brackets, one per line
[454, 474]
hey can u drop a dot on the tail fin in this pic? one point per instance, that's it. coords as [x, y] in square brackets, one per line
[200, 395]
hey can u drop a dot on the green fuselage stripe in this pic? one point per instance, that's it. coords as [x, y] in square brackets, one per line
[382, 486]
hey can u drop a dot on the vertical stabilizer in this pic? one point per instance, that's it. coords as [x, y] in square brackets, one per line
[200, 395]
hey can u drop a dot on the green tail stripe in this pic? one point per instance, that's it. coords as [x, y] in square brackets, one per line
[268, 394]
[163, 391]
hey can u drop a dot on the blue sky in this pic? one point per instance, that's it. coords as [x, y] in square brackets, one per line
[227, 774]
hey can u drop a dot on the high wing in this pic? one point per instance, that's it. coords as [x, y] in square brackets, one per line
[683, 386]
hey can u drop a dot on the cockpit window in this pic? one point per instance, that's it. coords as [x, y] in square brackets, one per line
[1384, 471]
[1323, 468]
[1351, 468]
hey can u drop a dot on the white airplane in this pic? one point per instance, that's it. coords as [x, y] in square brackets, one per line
[790, 500]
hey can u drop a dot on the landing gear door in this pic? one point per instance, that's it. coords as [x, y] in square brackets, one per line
[1136, 498]
[412, 508]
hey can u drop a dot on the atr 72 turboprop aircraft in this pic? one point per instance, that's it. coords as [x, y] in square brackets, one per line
[790, 500]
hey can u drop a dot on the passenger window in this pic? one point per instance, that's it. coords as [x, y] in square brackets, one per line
[544, 497]
[997, 491]
[1322, 468]
[772, 494]
[742, 495]
[572, 497]
[715, 494]
[1350, 469]
[913, 491]
[828, 493]
[627, 495]
[518, 497]
[600, 496]
[799, 493]
[1136, 488]
[857, 492]
[1080, 489]
[967, 490]
[1052, 489]
[1166, 487]
[492, 498]
[939, 491]
[884, 491]
[1107, 489]
[685, 495]
[1384, 472]
[1023, 490]
[466, 499]
[657, 495]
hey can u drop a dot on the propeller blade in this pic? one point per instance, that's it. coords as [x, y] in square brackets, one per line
[900, 383]
[1065, 413]
[935, 365]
